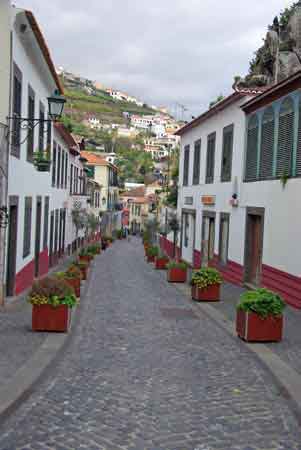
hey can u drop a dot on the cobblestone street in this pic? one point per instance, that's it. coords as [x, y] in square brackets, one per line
[144, 372]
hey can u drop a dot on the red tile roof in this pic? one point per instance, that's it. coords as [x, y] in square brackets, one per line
[136, 192]
[94, 159]
[44, 48]
[212, 111]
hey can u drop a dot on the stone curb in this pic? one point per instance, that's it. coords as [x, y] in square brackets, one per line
[19, 388]
[285, 377]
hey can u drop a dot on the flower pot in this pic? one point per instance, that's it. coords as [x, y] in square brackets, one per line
[85, 258]
[161, 263]
[75, 283]
[84, 271]
[177, 275]
[210, 294]
[252, 328]
[150, 259]
[43, 166]
[48, 318]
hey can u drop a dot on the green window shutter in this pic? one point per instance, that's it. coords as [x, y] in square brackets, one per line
[267, 145]
[196, 162]
[186, 165]
[298, 162]
[46, 223]
[227, 155]
[210, 158]
[27, 226]
[252, 146]
[285, 139]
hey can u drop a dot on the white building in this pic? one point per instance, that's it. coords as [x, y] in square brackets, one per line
[240, 188]
[5, 63]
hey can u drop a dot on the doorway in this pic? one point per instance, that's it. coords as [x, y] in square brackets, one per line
[254, 246]
[208, 237]
[188, 235]
[38, 236]
[12, 246]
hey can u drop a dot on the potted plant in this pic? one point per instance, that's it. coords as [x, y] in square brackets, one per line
[83, 267]
[259, 316]
[85, 255]
[94, 249]
[151, 254]
[206, 283]
[73, 277]
[176, 272]
[42, 160]
[52, 300]
[161, 261]
[120, 234]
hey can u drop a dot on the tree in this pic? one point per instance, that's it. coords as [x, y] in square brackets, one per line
[217, 100]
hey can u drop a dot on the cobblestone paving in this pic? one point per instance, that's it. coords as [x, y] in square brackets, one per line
[143, 372]
[289, 350]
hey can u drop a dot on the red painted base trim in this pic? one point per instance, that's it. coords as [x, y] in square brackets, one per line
[285, 284]
[43, 263]
[24, 278]
[197, 259]
[167, 248]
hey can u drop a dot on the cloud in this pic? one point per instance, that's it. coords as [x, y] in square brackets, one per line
[164, 51]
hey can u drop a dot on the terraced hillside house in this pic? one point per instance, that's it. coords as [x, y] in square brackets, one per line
[5, 63]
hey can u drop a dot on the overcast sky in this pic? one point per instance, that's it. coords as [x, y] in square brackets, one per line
[163, 51]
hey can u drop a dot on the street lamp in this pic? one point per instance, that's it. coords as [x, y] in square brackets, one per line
[56, 104]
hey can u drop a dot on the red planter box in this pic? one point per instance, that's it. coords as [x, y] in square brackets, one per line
[84, 271]
[88, 259]
[75, 283]
[211, 294]
[176, 275]
[161, 263]
[47, 318]
[252, 328]
[150, 259]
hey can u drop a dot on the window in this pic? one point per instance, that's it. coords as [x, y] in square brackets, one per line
[71, 179]
[63, 169]
[298, 162]
[66, 170]
[51, 238]
[252, 149]
[16, 110]
[267, 145]
[41, 127]
[54, 163]
[196, 162]
[210, 158]
[224, 238]
[186, 165]
[186, 230]
[56, 233]
[227, 156]
[31, 113]
[285, 139]
[58, 174]
[46, 222]
[27, 226]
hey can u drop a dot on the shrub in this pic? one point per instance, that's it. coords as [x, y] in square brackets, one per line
[177, 265]
[73, 272]
[119, 234]
[85, 252]
[152, 251]
[262, 302]
[52, 291]
[205, 277]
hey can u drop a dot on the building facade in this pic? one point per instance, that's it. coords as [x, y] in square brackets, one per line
[5, 66]
[240, 170]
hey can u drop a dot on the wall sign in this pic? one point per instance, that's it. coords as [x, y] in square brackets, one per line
[208, 200]
[188, 201]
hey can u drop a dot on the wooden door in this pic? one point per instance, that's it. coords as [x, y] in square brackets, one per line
[254, 247]
[12, 247]
[38, 236]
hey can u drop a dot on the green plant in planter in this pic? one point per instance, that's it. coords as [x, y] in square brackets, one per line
[177, 265]
[206, 277]
[86, 252]
[146, 236]
[42, 160]
[93, 249]
[262, 302]
[119, 234]
[52, 291]
[152, 251]
[81, 264]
